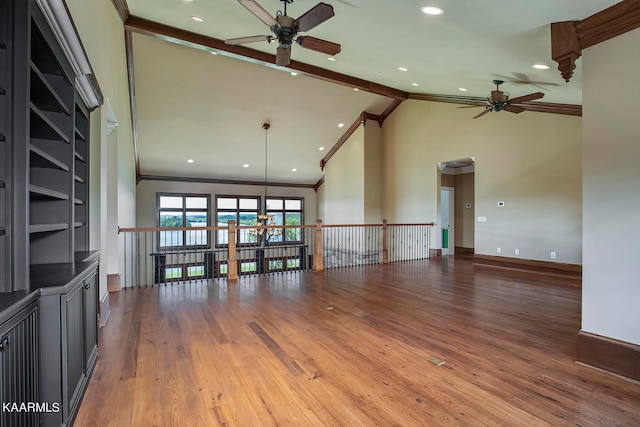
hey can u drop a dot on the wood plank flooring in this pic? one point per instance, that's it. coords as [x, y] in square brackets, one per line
[268, 351]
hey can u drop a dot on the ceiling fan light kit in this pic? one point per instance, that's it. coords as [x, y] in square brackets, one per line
[286, 28]
[499, 100]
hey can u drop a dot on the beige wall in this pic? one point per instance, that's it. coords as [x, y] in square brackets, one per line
[344, 183]
[611, 180]
[372, 173]
[146, 196]
[464, 218]
[102, 33]
[532, 161]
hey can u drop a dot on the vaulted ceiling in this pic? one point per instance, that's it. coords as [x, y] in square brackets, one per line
[192, 104]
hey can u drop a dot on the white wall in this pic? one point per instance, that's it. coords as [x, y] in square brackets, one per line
[611, 188]
[532, 161]
[102, 33]
[344, 182]
[372, 173]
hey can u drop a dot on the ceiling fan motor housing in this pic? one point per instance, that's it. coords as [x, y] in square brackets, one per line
[286, 32]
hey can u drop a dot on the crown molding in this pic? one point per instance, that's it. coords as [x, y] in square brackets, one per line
[223, 181]
[122, 8]
[569, 38]
[59, 19]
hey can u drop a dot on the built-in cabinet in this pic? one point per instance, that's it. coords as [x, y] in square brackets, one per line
[5, 154]
[69, 322]
[19, 367]
[48, 276]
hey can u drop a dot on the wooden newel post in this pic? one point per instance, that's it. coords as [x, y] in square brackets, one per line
[384, 252]
[232, 263]
[317, 248]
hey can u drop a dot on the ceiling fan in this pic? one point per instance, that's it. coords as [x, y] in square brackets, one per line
[286, 28]
[499, 100]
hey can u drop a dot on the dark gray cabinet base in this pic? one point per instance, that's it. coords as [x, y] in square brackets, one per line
[19, 368]
[69, 344]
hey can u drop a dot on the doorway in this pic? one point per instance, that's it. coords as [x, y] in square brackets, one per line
[447, 215]
[456, 233]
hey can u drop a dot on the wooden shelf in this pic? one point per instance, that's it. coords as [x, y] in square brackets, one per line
[46, 95]
[50, 126]
[42, 159]
[45, 192]
[44, 228]
[80, 135]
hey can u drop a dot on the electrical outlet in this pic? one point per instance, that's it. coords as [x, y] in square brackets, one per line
[482, 219]
[553, 255]
[499, 250]
[517, 251]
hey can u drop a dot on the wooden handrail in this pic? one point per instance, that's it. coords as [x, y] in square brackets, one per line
[248, 227]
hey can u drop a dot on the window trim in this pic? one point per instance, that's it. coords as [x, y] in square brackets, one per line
[284, 216]
[184, 211]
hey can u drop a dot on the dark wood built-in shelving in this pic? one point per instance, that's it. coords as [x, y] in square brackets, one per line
[43, 126]
[42, 228]
[42, 159]
[44, 94]
[41, 191]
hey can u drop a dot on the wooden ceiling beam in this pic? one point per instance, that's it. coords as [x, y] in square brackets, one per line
[186, 38]
[569, 38]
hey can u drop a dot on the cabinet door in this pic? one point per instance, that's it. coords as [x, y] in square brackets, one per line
[19, 368]
[73, 350]
[90, 321]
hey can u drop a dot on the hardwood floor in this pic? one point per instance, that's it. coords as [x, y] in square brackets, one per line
[351, 347]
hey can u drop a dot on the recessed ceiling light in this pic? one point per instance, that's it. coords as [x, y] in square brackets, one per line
[541, 66]
[340, 125]
[214, 53]
[321, 148]
[293, 73]
[432, 10]
[377, 73]
[246, 165]
[197, 18]
[294, 169]
[190, 161]
[331, 58]
[462, 89]
[403, 69]
[415, 84]
[356, 89]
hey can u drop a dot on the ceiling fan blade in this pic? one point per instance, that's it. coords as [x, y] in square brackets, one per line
[514, 109]
[250, 39]
[283, 56]
[482, 114]
[319, 45]
[472, 106]
[259, 12]
[313, 17]
[526, 98]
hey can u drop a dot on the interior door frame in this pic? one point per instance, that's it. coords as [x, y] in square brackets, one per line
[450, 250]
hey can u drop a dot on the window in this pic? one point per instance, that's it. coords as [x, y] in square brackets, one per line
[286, 211]
[183, 210]
[244, 210]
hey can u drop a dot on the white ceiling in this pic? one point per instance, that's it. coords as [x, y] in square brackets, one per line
[191, 104]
